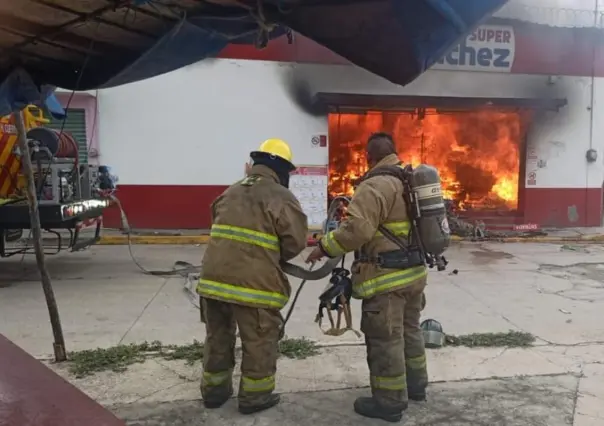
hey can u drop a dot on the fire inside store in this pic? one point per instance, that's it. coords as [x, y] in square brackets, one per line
[479, 153]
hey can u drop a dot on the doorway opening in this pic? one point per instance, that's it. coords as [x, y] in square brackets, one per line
[480, 153]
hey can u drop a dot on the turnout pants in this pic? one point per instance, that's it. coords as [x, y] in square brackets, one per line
[259, 333]
[396, 353]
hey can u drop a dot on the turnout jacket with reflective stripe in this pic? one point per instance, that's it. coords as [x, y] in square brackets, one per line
[255, 223]
[377, 200]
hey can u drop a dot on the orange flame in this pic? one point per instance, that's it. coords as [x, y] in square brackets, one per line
[477, 153]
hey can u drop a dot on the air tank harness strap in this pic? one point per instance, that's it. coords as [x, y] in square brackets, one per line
[395, 259]
[343, 308]
[336, 297]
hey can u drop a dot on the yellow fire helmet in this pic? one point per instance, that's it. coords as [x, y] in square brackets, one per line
[276, 148]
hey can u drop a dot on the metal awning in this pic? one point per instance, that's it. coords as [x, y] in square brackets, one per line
[346, 102]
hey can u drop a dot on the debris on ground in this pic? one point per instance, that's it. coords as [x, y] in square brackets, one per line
[298, 348]
[511, 339]
[568, 247]
[119, 358]
[476, 229]
[190, 289]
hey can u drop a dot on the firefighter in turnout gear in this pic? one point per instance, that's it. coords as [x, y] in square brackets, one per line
[391, 287]
[256, 223]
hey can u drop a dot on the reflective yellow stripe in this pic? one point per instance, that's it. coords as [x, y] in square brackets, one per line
[416, 363]
[397, 279]
[397, 228]
[331, 246]
[266, 384]
[216, 379]
[244, 235]
[232, 293]
[389, 383]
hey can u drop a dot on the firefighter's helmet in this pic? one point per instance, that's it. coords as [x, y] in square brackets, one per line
[434, 337]
[275, 148]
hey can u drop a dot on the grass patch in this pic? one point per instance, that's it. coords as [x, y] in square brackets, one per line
[511, 339]
[298, 348]
[116, 358]
[119, 358]
[189, 353]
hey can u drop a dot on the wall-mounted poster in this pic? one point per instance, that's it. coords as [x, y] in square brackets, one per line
[309, 185]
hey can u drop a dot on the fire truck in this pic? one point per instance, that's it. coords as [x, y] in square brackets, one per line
[71, 196]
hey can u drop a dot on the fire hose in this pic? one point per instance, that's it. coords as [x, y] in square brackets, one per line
[182, 268]
[433, 333]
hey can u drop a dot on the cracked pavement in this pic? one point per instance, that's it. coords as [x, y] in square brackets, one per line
[552, 291]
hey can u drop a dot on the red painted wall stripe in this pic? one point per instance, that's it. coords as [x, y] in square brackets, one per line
[164, 206]
[539, 49]
[188, 207]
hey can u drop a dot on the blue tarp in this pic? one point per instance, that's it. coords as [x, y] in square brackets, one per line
[396, 39]
[19, 90]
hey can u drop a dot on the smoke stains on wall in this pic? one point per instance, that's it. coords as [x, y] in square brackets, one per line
[478, 153]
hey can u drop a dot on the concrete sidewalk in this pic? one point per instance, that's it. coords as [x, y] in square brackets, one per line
[552, 291]
[547, 386]
[520, 402]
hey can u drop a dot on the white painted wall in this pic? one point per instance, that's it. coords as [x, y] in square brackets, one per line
[197, 125]
[562, 139]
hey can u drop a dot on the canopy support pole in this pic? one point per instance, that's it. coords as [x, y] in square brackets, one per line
[36, 228]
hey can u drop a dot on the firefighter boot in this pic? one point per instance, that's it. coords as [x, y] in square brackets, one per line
[416, 392]
[417, 396]
[270, 402]
[218, 399]
[369, 407]
[416, 385]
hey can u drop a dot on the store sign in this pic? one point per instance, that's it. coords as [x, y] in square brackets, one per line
[489, 48]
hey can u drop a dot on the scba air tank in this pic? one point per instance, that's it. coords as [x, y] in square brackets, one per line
[432, 223]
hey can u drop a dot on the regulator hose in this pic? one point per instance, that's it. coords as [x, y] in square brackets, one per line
[317, 274]
[311, 275]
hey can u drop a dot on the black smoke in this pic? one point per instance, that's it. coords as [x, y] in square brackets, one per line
[298, 87]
